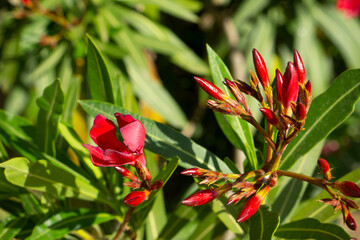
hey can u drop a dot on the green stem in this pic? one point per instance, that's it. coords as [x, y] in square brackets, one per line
[263, 132]
[124, 224]
[302, 177]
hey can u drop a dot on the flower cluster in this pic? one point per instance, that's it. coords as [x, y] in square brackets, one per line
[110, 152]
[350, 7]
[284, 104]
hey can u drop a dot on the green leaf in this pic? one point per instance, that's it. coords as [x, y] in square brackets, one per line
[163, 140]
[344, 32]
[319, 210]
[310, 228]
[31, 205]
[263, 224]
[326, 112]
[170, 7]
[156, 96]
[208, 228]
[225, 215]
[11, 226]
[99, 79]
[60, 224]
[51, 106]
[46, 177]
[240, 127]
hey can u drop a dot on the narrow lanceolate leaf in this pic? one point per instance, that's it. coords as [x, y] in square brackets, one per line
[51, 106]
[46, 177]
[310, 228]
[263, 224]
[163, 140]
[240, 127]
[99, 79]
[60, 224]
[225, 216]
[11, 226]
[326, 112]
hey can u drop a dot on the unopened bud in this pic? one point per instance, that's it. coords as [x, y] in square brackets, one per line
[133, 185]
[210, 89]
[325, 168]
[350, 222]
[279, 83]
[197, 172]
[252, 205]
[300, 112]
[270, 116]
[236, 92]
[236, 197]
[290, 86]
[157, 185]
[142, 171]
[126, 173]
[348, 188]
[260, 68]
[300, 68]
[135, 198]
[201, 197]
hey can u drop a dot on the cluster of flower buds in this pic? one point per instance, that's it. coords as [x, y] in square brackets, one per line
[339, 198]
[113, 153]
[251, 192]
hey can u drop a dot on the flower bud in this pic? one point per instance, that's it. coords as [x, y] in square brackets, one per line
[135, 198]
[260, 68]
[201, 197]
[235, 91]
[350, 222]
[197, 172]
[308, 94]
[142, 171]
[348, 188]
[325, 168]
[270, 116]
[290, 86]
[252, 205]
[210, 89]
[279, 82]
[126, 173]
[157, 185]
[133, 185]
[300, 112]
[236, 197]
[300, 68]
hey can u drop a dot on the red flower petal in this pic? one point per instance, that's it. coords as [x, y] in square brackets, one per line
[103, 133]
[115, 158]
[134, 136]
[123, 119]
[96, 155]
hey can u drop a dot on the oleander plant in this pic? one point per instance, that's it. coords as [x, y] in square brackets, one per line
[179, 119]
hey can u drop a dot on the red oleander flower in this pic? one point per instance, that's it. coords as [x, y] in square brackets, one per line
[350, 7]
[260, 68]
[110, 152]
[325, 168]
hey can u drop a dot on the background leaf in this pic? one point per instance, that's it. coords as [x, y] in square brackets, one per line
[311, 229]
[263, 224]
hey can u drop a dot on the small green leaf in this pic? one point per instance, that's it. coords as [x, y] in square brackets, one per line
[60, 224]
[46, 177]
[51, 106]
[163, 140]
[11, 226]
[263, 224]
[99, 78]
[310, 228]
[240, 127]
[326, 113]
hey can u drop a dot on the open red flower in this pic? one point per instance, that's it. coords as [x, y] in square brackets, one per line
[110, 151]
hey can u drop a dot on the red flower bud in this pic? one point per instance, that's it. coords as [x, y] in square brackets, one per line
[201, 197]
[210, 89]
[157, 185]
[135, 198]
[300, 68]
[290, 87]
[325, 168]
[350, 222]
[260, 68]
[279, 82]
[126, 173]
[235, 92]
[252, 205]
[193, 172]
[348, 188]
[270, 116]
[300, 112]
